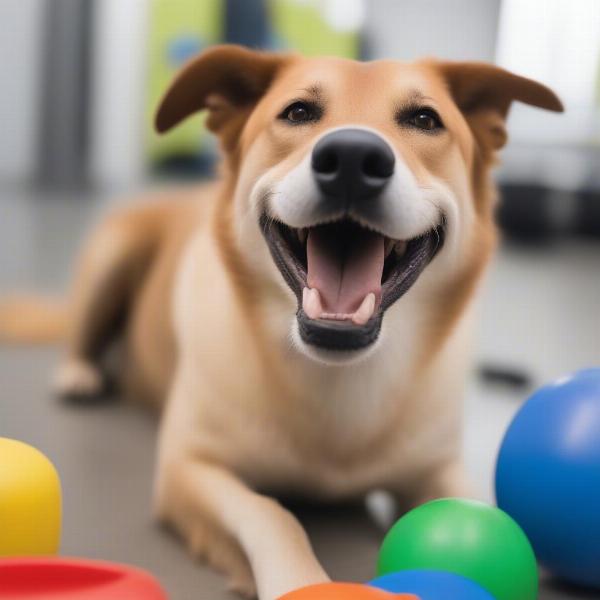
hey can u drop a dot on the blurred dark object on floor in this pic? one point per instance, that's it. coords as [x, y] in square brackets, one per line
[507, 376]
[587, 217]
[524, 212]
[532, 213]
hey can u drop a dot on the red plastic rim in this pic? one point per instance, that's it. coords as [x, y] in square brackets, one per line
[74, 579]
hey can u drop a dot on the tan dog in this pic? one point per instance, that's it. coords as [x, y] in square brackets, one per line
[305, 318]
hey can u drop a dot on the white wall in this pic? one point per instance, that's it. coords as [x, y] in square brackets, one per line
[451, 29]
[20, 57]
[556, 42]
[565, 55]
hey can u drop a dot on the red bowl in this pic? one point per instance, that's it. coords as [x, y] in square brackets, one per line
[73, 579]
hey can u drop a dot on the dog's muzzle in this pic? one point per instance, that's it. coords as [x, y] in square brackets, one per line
[343, 270]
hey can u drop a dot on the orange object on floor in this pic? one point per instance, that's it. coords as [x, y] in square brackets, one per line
[344, 591]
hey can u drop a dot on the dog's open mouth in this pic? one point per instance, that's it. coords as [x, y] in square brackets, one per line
[345, 276]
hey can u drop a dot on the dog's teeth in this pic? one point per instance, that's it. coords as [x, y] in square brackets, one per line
[311, 303]
[400, 248]
[302, 235]
[365, 310]
[389, 246]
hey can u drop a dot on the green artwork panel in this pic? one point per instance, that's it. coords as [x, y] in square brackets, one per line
[178, 29]
[302, 26]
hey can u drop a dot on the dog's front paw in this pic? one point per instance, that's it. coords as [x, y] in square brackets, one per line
[242, 584]
[447, 481]
[78, 379]
[222, 553]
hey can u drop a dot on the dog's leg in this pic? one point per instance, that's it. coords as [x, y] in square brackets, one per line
[446, 480]
[112, 264]
[197, 496]
[205, 538]
[248, 535]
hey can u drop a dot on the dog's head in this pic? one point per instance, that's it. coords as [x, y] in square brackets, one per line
[360, 179]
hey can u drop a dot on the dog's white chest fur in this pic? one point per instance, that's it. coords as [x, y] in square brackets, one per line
[343, 430]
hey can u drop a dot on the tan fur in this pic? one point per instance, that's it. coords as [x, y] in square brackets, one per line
[208, 316]
[26, 319]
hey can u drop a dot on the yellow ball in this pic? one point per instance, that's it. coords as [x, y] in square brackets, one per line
[30, 501]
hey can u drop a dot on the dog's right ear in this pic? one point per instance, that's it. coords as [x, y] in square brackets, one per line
[484, 94]
[226, 80]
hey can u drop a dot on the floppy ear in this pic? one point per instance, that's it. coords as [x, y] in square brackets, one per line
[226, 80]
[484, 93]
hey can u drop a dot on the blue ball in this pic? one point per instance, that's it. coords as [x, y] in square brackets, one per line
[432, 585]
[548, 475]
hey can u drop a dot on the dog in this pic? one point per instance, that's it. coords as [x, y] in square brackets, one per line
[303, 322]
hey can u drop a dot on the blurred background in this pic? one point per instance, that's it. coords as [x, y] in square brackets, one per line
[81, 80]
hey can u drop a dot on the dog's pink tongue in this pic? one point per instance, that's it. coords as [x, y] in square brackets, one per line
[344, 273]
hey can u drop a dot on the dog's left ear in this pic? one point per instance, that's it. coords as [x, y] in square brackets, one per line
[225, 80]
[484, 93]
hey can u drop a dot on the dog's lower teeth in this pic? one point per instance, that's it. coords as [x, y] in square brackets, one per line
[400, 248]
[389, 246]
[302, 235]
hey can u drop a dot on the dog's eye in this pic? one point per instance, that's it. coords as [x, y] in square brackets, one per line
[298, 112]
[424, 118]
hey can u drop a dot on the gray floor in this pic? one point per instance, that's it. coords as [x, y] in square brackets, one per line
[539, 312]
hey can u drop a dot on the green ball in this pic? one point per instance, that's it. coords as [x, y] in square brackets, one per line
[468, 538]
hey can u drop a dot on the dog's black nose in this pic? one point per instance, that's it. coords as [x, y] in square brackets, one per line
[352, 164]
